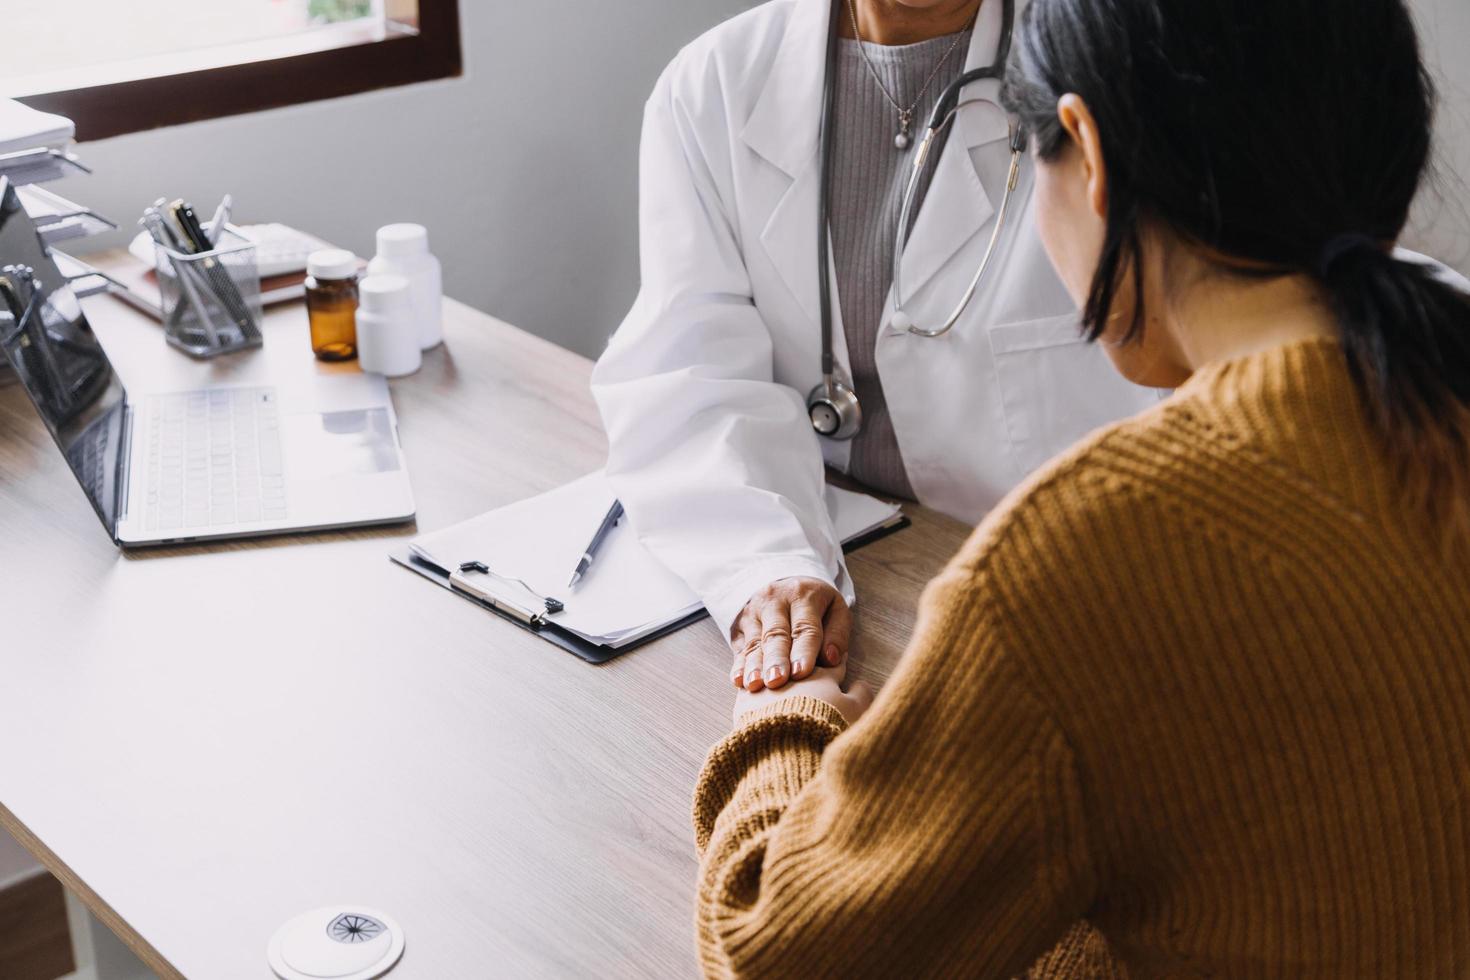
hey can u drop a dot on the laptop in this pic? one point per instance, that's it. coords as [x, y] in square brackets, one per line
[218, 462]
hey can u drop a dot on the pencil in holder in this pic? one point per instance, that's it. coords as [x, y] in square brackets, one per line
[211, 300]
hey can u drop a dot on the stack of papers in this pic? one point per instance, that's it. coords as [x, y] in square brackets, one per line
[24, 128]
[533, 545]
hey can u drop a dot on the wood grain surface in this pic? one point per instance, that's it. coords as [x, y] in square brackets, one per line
[205, 741]
[35, 943]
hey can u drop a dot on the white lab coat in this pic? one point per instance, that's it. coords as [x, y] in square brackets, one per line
[702, 389]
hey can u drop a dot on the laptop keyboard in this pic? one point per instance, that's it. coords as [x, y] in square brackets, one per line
[214, 457]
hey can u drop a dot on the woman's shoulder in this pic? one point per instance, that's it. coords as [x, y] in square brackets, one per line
[1264, 458]
[1112, 500]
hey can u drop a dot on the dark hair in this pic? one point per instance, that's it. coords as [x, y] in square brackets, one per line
[1290, 134]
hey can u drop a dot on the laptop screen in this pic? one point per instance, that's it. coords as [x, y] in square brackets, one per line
[47, 340]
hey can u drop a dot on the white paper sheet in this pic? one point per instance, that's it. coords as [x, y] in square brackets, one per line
[627, 593]
[24, 128]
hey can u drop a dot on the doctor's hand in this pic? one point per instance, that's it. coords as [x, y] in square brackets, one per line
[786, 630]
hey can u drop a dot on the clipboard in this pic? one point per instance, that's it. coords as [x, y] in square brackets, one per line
[545, 626]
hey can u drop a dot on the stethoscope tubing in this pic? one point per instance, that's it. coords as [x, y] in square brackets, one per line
[837, 397]
[824, 195]
[1017, 143]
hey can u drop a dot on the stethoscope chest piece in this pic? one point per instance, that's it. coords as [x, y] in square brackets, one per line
[834, 410]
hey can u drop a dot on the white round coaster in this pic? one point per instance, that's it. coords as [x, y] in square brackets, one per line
[338, 942]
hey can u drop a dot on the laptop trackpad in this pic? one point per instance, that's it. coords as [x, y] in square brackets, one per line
[332, 444]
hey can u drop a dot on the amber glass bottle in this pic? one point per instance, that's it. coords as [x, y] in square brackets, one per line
[331, 303]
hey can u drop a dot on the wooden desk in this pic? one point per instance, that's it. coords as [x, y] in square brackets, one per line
[204, 741]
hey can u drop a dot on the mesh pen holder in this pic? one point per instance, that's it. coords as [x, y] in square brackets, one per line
[211, 300]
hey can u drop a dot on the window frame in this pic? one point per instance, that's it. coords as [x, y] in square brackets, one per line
[431, 52]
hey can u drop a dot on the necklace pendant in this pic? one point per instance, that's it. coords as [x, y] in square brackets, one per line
[901, 140]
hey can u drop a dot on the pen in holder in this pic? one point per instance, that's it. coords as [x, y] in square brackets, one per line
[211, 299]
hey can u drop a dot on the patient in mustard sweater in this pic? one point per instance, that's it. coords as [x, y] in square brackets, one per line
[1203, 683]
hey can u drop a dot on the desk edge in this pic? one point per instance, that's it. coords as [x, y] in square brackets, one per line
[94, 903]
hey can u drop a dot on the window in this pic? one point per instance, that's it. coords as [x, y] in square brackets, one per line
[117, 67]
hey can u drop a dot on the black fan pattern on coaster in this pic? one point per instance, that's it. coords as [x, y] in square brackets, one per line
[353, 927]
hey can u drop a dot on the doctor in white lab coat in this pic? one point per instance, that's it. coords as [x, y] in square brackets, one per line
[703, 387]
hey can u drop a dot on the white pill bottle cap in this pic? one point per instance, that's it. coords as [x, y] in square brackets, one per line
[331, 263]
[385, 293]
[403, 241]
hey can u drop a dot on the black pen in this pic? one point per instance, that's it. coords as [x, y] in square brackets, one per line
[189, 222]
[614, 514]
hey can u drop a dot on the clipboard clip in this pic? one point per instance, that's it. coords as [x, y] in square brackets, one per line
[531, 617]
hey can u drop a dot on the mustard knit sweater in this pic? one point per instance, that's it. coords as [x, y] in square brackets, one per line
[1202, 682]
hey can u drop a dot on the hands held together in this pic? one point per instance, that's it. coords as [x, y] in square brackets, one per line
[795, 629]
[786, 631]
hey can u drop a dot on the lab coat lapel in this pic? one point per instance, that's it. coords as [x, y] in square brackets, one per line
[956, 206]
[782, 127]
[783, 130]
[790, 239]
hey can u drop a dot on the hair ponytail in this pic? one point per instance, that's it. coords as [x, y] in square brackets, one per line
[1406, 333]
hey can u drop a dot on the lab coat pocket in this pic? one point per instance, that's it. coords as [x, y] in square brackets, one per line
[1054, 387]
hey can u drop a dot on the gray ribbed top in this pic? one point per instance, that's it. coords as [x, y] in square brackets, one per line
[867, 191]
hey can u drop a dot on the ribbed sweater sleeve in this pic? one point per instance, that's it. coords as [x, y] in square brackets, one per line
[943, 833]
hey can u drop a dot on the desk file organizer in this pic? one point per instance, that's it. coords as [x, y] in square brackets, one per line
[515, 561]
[55, 218]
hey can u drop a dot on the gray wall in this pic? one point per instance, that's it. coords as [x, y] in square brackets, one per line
[1441, 225]
[14, 860]
[525, 169]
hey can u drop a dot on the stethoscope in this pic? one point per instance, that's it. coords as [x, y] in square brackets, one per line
[833, 405]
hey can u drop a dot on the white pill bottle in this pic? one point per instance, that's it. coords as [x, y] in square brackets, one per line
[387, 339]
[403, 250]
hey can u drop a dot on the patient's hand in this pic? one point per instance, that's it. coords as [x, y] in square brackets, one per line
[825, 684]
[786, 630]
